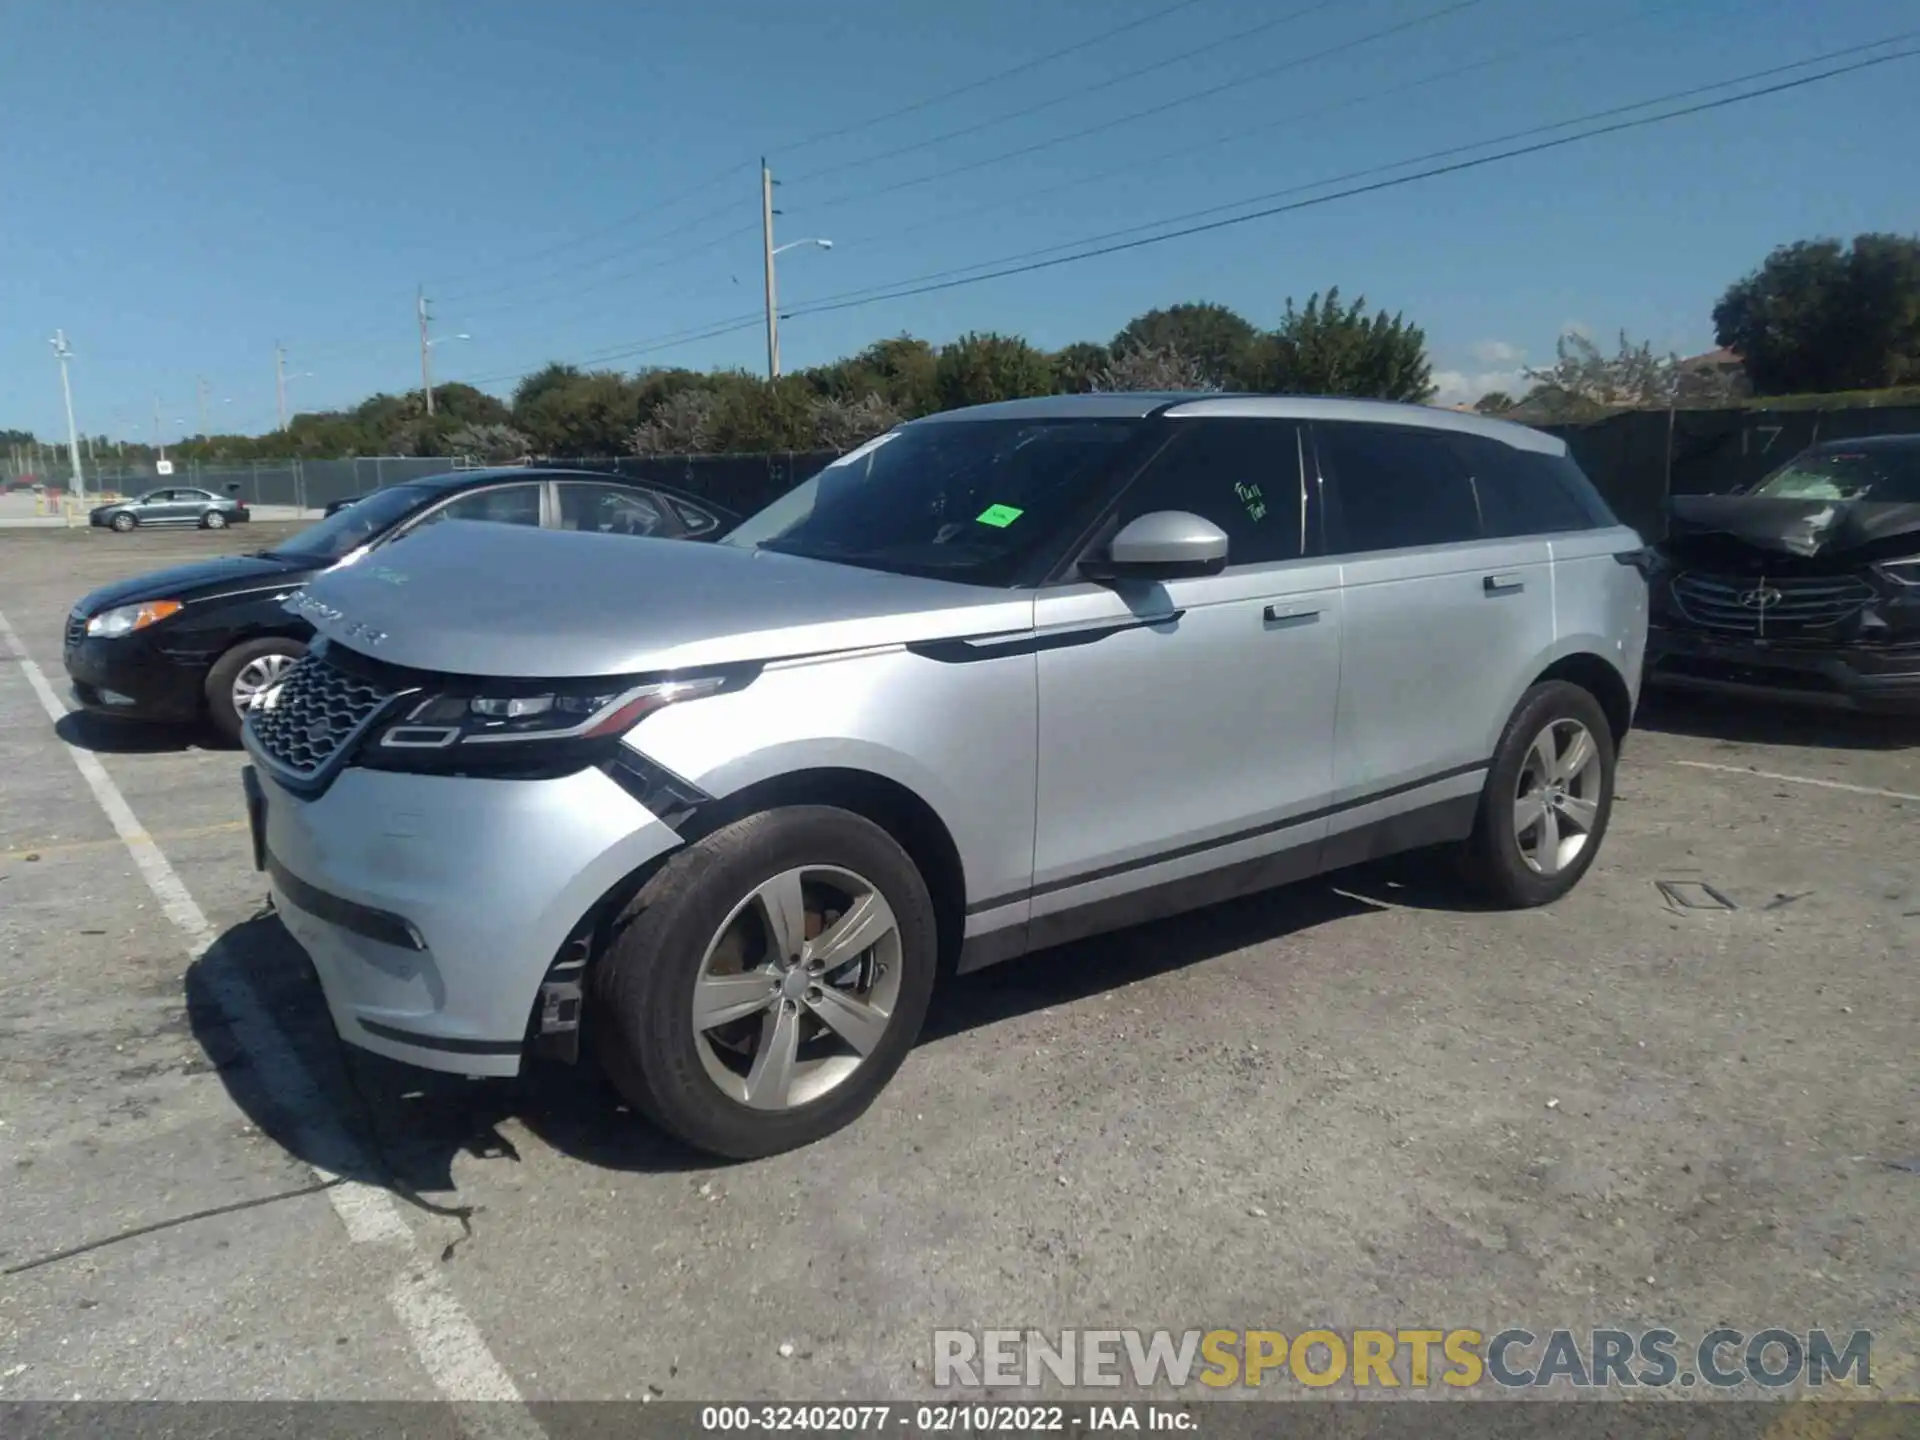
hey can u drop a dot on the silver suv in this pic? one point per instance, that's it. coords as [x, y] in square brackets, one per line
[999, 678]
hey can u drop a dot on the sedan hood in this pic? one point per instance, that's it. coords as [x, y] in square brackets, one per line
[1801, 528]
[471, 598]
[200, 581]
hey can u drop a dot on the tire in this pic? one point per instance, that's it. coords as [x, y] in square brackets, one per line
[1507, 860]
[698, 1083]
[253, 660]
[213, 520]
[123, 522]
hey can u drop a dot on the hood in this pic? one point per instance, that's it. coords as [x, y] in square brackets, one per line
[200, 581]
[1801, 528]
[470, 598]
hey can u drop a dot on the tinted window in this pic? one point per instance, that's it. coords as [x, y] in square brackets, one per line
[1396, 487]
[1243, 475]
[610, 510]
[967, 500]
[192, 495]
[503, 505]
[346, 530]
[1519, 492]
[697, 521]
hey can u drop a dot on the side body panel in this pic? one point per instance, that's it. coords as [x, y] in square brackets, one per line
[1600, 605]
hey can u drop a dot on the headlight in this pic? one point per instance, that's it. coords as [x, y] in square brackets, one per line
[505, 726]
[125, 619]
[1901, 572]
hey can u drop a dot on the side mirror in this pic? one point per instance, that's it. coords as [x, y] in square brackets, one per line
[1163, 545]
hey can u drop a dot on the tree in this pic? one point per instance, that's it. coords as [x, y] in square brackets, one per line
[1219, 343]
[682, 424]
[1494, 402]
[542, 381]
[576, 414]
[980, 368]
[1330, 349]
[1077, 366]
[1584, 384]
[1819, 316]
[843, 424]
[494, 443]
[1141, 367]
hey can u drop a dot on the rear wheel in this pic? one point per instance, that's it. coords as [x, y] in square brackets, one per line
[124, 522]
[765, 986]
[244, 672]
[213, 520]
[1548, 797]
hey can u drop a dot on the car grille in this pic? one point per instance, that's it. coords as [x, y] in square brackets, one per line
[1733, 604]
[76, 628]
[304, 723]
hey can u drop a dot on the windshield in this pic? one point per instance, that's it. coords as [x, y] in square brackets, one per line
[346, 530]
[961, 500]
[1884, 473]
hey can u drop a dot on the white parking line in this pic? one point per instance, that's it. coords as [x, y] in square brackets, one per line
[443, 1335]
[1799, 780]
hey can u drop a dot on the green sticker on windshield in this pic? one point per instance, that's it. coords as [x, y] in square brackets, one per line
[999, 516]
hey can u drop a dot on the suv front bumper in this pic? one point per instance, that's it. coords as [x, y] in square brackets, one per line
[433, 906]
[1837, 676]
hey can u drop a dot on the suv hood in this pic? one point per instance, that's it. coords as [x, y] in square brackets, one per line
[1801, 528]
[471, 598]
[202, 580]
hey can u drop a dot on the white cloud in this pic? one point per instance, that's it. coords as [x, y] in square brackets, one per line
[1497, 352]
[1463, 387]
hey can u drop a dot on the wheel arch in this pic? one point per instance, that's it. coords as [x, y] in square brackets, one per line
[1600, 678]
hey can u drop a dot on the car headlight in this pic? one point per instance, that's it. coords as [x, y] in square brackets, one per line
[497, 725]
[125, 619]
[1901, 572]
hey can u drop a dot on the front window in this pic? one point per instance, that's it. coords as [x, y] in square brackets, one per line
[347, 530]
[1880, 472]
[965, 500]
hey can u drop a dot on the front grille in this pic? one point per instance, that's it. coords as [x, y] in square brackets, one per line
[305, 722]
[76, 629]
[1737, 605]
[1770, 677]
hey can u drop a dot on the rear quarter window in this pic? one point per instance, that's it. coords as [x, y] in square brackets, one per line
[1523, 492]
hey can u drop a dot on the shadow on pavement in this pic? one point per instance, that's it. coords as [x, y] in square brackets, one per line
[410, 1125]
[1753, 722]
[107, 736]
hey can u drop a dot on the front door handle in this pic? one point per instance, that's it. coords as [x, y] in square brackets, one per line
[1502, 584]
[1276, 613]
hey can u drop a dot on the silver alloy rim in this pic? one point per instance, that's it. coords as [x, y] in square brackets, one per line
[123, 522]
[1557, 798]
[798, 987]
[259, 673]
[215, 520]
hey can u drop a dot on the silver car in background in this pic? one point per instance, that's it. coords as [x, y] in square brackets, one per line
[1000, 678]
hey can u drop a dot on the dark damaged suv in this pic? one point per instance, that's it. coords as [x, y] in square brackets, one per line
[1806, 586]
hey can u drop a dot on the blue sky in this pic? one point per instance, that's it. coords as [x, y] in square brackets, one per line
[190, 183]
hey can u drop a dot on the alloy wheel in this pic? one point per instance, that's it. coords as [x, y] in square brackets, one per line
[797, 988]
[1557, 797]
[216, 521]
[258, 674]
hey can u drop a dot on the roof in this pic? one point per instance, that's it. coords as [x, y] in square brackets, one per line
[1866, 443]
[1184, 404]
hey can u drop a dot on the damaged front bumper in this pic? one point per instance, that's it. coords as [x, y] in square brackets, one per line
[1835, 675]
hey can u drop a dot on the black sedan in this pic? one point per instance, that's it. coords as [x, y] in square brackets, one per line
[176, 505]
[202, 640]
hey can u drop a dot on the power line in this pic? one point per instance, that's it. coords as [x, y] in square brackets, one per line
[646, 346]
[826, 305]
[984, 81]
[1139, 165]
[1107, 83]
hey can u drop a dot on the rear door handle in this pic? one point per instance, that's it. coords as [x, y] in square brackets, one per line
[1502, 584]
[1274, 613]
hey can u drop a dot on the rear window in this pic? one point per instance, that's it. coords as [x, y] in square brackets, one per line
[1523, 492]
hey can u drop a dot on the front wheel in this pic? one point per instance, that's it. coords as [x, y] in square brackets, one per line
[1547, 800]
[124, 522]
[764, 987]
[244, 672]
[213, 520]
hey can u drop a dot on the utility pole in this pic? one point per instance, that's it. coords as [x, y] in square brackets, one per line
[202, 385]
[766, 236]
[426, 349]
[159, 445]
[280, 380]
[73, 437]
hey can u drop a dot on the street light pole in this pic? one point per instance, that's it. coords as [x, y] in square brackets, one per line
[280, 380]
[426, 363]
[766, 235]
[202, 387]
[73, 436]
